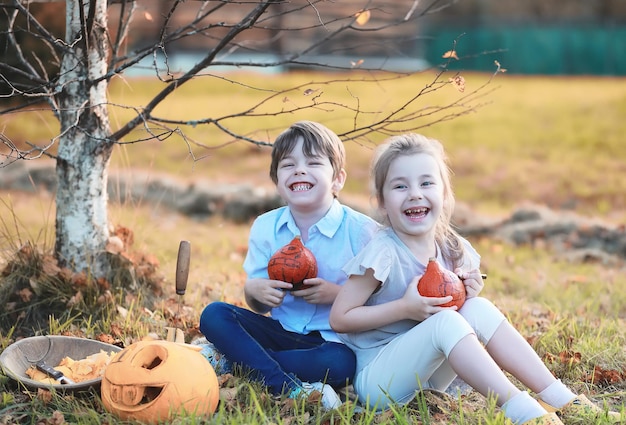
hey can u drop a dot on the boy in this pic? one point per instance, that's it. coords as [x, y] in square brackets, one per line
[293, 350]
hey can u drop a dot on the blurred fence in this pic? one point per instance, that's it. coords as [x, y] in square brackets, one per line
[585, 49]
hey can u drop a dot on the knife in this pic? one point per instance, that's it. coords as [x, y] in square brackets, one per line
[53, 373]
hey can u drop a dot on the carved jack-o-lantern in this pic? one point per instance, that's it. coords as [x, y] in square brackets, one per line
[293, 263]
[151, 381]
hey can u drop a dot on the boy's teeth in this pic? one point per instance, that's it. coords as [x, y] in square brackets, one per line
[300, 187]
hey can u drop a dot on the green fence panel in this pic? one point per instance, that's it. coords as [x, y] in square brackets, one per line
[532, 50]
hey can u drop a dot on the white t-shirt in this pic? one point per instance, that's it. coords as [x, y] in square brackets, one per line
[395, 266]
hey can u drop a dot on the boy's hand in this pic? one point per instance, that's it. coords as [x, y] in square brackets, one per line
[267, 292]
[320, 291]
[420, 308]
[472, 280]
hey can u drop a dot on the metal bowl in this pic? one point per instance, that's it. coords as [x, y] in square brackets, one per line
[23, 354]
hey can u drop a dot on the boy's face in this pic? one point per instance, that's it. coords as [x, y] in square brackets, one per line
[413, 195]
[307, 183]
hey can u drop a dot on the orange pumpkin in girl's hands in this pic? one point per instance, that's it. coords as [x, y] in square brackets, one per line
[438, 282]
[293, 263]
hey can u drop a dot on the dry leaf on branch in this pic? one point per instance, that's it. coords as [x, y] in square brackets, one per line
[450, 54]
[458, 82]
[363, 17]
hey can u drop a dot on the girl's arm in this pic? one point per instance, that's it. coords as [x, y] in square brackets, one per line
[349, 314]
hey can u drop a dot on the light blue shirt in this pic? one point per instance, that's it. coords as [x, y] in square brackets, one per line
[334, 240]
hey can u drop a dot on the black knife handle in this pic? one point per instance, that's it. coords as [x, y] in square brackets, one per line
[49, 370]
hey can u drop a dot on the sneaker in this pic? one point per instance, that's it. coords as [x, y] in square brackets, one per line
[582, 406]
[549, 419]
[219, 362]
[330, 399]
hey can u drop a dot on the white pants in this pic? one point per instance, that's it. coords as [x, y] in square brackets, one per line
[418, 359]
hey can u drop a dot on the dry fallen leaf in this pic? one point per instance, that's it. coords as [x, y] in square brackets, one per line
[25, 295]
[114, 245]
[57, 418]
[49, 266]
[45, 396]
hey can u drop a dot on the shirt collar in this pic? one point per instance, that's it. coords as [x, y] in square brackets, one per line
[327, 226]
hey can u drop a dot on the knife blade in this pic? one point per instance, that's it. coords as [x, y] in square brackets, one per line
[53, 373]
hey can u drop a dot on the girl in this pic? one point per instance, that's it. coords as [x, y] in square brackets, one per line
[405, 342]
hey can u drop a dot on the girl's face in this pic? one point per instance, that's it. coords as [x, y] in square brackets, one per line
[413, 196]
[307, 183]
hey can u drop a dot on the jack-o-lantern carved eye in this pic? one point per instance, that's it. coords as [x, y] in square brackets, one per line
[153, 380]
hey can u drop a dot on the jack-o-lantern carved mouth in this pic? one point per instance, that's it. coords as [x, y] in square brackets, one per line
[144, 391]
[139, 397]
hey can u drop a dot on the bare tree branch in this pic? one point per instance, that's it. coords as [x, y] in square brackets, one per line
[241, 26]
[354, 41]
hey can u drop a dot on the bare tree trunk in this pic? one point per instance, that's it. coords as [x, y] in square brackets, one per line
[84, 144]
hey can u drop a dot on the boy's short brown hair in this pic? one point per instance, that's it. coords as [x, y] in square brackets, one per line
[318, 140]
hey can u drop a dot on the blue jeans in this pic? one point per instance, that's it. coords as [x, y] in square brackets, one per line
[279, 359]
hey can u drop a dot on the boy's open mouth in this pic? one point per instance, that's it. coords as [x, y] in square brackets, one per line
[301, 187]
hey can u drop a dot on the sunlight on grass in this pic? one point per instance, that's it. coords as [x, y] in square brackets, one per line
[556, 141]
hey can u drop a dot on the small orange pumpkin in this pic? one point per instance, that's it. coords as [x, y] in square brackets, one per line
[293, 263]
[152, 381]
[438, 282]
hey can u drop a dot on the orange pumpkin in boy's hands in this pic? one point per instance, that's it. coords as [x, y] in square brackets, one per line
[438, 282]
[293, 263]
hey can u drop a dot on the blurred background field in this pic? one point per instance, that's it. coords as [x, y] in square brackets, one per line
[550, 140]
[547, 140]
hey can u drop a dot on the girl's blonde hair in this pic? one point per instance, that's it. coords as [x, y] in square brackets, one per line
[410, 144]
[318, 140]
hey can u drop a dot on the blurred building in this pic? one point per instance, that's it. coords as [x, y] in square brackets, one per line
[527, 37]
[287, 28]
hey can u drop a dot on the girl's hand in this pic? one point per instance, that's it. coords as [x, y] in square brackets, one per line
[420, 308]
[266, 292]
[320, 291]
[472, 280]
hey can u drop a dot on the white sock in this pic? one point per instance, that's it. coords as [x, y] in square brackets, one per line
[522, 408]
[556, 394]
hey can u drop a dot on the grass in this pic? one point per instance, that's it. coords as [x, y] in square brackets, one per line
[548, 140]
